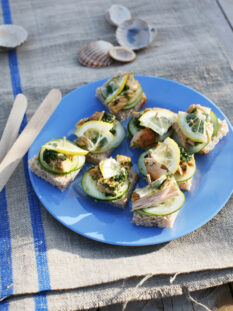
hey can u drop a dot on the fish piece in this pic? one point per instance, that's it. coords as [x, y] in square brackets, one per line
[154, 169]
[144, 138]
[156, 198]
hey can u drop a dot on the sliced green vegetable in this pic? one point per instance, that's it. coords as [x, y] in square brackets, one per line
[77, 162]
[195, 148]
[166, 208]
[214, 120]
[135, 100]
[90, 187]
[190, 171]
[141, 164]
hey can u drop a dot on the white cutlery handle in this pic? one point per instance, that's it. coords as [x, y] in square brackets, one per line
[13, 124]
[28, 135]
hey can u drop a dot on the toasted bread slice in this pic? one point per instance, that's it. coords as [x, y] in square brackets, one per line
[151, 221]
[60, 181]
[122, 202]
[95, 158]
[222, 131]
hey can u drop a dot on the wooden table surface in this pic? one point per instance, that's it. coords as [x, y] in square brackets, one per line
[219, 298]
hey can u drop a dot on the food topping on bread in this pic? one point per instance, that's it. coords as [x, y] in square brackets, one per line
[99, 133]
[150, 126]
[196, 128]
[168, 158]
[162, 197]
[109, 179]
[122, 93]
[61, 156]
[64, 146]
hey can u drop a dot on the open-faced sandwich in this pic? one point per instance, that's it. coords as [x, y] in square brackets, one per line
[111, 181]
[198, 129]
[168, 158]
[122, 94]
[99, 134]
[58, 162]
[158, 203]
[150, 126]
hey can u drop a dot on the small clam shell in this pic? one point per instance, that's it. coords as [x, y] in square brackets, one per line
[117, 14]
[95, 54]
[12, 36]
[135, 34]
[122, 54]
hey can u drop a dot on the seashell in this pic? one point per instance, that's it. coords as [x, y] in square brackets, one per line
[135, 34]
[122, 54]
[12, 36]
[95, 54]
[117, 14]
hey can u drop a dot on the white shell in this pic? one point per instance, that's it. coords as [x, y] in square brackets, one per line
[117, 14]
[95, 54]
[135, 34]
[122, 54]
[12, 36]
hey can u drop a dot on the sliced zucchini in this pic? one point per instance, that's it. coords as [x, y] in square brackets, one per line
[169, 207]
[90, 187]
[118, 136]
[214, 120]
[132, 127]
[141, 163]
[197, 147]
[135, 100]
[77, 162]
[164, 136]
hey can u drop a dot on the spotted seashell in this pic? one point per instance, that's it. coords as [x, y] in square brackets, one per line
[95, 54]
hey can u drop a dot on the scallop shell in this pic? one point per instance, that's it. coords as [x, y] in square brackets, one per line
[117, 14]
[12, 36]
[122, 54]
[95, 54]
[135, 34]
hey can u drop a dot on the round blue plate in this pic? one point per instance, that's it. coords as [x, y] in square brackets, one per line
[212, 183]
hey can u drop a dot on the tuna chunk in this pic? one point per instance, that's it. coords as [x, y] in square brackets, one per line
[156, 198]
[144, 139]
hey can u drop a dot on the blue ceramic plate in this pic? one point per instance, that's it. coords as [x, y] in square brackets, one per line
[212, 183]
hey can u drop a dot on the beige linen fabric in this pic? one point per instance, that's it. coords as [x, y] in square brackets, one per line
[186, 50]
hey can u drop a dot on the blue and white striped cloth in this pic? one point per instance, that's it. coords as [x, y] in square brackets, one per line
[43, 265]
[7, 286]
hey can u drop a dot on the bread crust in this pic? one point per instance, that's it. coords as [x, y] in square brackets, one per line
[151, 221]
[95, 158]
[222, 131]
[60, 181]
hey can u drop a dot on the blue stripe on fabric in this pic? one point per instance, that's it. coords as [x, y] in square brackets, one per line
[5, 252]
[5, 237]
[4, 305]
[40, 300]
[34, 204]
